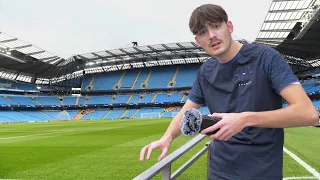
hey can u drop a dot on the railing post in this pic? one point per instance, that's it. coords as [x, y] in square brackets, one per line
[166, 172]
[209, 144]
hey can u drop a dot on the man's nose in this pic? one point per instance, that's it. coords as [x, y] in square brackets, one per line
[212, 33]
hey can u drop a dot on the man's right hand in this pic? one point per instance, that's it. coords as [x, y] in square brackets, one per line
[172, 132]
[162, 144]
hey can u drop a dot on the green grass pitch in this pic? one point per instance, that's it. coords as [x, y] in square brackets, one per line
[109, 149]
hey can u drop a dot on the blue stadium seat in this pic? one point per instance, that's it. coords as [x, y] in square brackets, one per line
[6, 101]
[129, 79]
[115, 114]
[142, 77]
[161, 76]
[23, 100]
[121, 99]
[49, 100]
[187, 75]
[311, 87]
[172, 97]
[69, 100]
[135, 99]
[99, 99]
[146, 98]
[106, 81]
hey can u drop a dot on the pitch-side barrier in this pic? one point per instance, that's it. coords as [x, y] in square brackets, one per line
[164, 166]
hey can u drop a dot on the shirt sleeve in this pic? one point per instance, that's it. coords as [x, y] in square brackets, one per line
[278, 70]
[195, 94]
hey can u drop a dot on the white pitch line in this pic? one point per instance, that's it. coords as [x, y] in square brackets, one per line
[14, 137]
[314, 172]
[296, 178]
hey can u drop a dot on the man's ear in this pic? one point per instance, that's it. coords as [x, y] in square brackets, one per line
[197, 40]
[230, 26]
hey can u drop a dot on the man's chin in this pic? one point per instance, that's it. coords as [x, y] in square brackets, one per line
[215, 53]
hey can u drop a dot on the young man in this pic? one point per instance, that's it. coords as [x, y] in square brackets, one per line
[244, 85]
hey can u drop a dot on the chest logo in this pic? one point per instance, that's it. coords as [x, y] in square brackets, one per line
[243, 76]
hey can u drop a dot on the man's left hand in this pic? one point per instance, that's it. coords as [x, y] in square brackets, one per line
[229, 125]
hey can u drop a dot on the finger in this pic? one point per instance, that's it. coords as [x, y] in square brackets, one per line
[142, 152]
[219, 115]
[221, 133]
[212, 128]
[225, 136]
[228, 137]
[149, 152]
[163, 154]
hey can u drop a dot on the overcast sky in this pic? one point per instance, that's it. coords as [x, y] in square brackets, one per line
[67, 27]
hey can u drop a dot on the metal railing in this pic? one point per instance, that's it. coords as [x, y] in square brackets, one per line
[164, 166]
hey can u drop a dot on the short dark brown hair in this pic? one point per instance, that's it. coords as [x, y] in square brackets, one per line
[207, 13]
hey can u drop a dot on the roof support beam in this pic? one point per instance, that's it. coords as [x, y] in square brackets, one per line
[129, 54]
[291, 10]
[112, 54]
[169, 49]
[95, 54]
[21, 47]
[182, 47]
[271, 39]
[273, 42]
[8, 40]
[159, 52]
[33, 53]
[54, 59]
[286, 21]
[276, 30]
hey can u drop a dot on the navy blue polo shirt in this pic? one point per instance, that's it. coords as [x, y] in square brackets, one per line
[251, 81]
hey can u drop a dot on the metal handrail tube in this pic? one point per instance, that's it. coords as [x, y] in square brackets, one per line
[179, 171]
[167, 161]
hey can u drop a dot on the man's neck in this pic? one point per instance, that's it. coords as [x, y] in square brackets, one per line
[230, 53]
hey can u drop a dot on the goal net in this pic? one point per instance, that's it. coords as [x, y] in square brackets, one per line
[62, 115]
[150, 115]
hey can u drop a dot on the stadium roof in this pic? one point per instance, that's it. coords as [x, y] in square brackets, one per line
[13, 45]
[39, 71]
[292, 27]
[145, 56]
[142, 56]
[24, 62]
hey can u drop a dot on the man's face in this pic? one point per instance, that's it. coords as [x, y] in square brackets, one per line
[215, 38]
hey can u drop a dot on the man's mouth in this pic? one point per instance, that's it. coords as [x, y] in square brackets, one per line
[215, 44]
